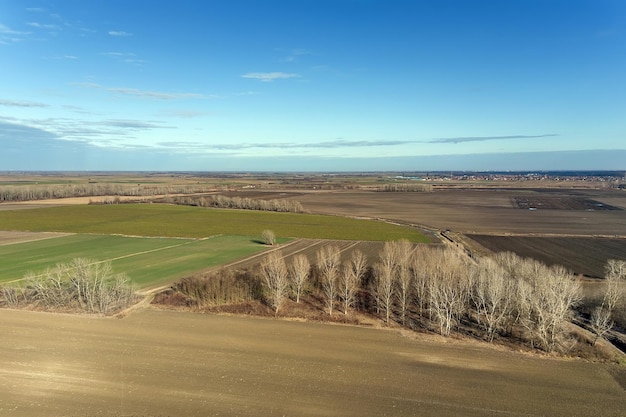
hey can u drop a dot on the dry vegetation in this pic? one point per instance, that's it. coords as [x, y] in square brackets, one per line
[504, 297]
[82, 286]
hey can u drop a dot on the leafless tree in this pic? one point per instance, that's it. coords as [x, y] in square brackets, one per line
[543, 298]
[82, 284]
[299, 273]
[448, 288]
[268, 237]
[600, 322]
[328, 263]
[350, 279]
[419, 269]
[275, 277]
[615, 276]
[491, 295]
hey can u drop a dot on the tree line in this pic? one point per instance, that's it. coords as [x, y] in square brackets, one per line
[43, 192]
[434, 288]
[242, 203]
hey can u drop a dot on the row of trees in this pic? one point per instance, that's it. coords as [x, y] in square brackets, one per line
[43, 192]
[406, 188]
[80, 285]
[436, 288]
[243, 203]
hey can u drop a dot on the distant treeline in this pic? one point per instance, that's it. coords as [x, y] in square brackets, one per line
[406, 188]
[45, 192]
[243, 203]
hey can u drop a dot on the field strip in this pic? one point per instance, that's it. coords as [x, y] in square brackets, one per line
[122, 257]
[13, 238]
[245, 261]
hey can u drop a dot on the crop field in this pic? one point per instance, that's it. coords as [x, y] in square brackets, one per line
[478, 211]
[193, 222]
[164, 363]
[538, 202]
[146, 261]
[586, 256]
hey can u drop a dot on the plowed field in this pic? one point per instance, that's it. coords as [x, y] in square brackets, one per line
[586, 256]
[163, 363]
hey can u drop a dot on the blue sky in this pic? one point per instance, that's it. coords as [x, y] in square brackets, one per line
[318, 85]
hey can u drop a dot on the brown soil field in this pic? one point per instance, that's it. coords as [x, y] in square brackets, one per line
[560, 203]
[164, 363]
[477, 211]
[9, 238]
[586, 256]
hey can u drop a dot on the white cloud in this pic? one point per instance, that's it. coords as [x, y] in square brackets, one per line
[157, 95]
[119, 33]
[154, 94]
[5, 30]
[19, 103]
[44, 26]
[269, 76]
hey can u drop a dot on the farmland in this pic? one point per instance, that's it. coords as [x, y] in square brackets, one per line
[585, 256]
[193, 222]
[158, 362]
[147, 261]
[164, 363]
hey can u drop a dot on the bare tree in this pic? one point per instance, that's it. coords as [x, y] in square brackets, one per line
[491, 295]
[82, 284]
[299, 273]
[543, 299]
[384, 276]
[275, 277]
[269, 238]
[328, 262]
[350, 280]
[404, 289]
[419, 265]
[615, 276]
[448, 288]
[600, 322]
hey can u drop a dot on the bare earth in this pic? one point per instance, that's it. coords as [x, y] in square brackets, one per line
[475, 211]
[164, 363]
[9, 238]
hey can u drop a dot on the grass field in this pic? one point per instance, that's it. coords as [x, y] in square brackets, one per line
[194, 222]
[147, 261]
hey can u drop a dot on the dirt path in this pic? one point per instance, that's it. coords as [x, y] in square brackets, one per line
[164, 363]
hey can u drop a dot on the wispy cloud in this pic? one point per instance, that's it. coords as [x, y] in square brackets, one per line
[295, 54]
[184, 114]
[44, 26]
[20, 103]
[120, 33]
[126, 57]
[463, 139]
[9, 36]
[342, 143]
[269, 76]
[132, 124]
[35, 9]
[156, 95]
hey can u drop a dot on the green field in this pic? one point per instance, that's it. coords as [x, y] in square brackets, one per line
[193, 222]
[147, 261]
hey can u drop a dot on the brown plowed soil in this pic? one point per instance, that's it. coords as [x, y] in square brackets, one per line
[164, 363]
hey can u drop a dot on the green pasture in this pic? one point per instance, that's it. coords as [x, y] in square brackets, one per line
[147, 261]
[194, 222]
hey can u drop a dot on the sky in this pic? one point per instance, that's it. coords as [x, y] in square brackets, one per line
[312, 85]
